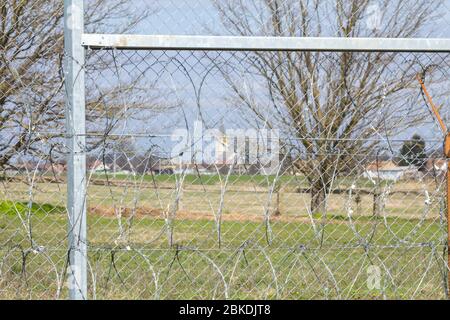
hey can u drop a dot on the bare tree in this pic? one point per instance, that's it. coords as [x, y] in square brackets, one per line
[31, 61]
[328, 105]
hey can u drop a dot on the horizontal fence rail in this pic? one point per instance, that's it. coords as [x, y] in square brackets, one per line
[173, 42]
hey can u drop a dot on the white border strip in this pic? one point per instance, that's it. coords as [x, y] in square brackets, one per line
[169, 42]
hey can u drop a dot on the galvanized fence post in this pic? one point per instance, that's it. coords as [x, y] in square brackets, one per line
[75, 130]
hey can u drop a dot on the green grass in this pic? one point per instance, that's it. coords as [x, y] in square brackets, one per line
[193, 179]
[11, 208]
[288, 258]
[294, 262]
[234, 179]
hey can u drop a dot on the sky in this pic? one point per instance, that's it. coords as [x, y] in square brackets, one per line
[200, 18]
[188, 17]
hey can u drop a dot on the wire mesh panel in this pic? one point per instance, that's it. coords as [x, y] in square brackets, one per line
[33, 216]
[369, 18]
[233, 174]
[33, 220]
[255, 175]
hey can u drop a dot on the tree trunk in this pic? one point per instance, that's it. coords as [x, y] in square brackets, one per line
[277, 208]
[378, 205]
[358, 201]
[318, 198]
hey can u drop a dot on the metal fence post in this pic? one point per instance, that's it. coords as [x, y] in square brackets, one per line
[75, 130]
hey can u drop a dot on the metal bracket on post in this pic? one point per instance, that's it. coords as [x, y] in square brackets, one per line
[75, 130]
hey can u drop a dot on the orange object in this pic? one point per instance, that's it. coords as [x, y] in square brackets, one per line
[433, 106]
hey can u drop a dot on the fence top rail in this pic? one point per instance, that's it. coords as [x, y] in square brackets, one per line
[232, 43]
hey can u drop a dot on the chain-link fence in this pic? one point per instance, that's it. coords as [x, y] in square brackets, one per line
[374, 18]
[229, 174]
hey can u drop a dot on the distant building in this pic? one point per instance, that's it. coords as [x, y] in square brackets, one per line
[52, 168]
[98, 167]
[437, 166]
[223, 154]
[158, 170]
[247, 152]
[56, 168]
[388, 170]
[195, 169]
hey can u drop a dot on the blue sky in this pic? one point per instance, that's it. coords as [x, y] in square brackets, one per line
[191, 17]
[194, 17]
